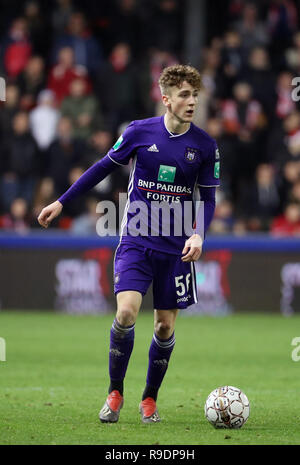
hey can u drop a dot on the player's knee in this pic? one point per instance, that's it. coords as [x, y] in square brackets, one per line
[126, 316]
[163, 329]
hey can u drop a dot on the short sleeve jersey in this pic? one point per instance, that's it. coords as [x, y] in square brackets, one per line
[166, 170]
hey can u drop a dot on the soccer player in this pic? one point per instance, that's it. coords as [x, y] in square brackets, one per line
[171, 159]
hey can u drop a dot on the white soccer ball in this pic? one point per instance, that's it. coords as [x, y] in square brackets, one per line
[227, 407]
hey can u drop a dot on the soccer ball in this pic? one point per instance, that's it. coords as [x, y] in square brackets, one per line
[227, 407]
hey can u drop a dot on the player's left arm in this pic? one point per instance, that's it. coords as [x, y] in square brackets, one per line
[193, 245]
[208, 180]
[192, 248]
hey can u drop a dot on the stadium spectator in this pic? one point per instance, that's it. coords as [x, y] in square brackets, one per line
[78, 207]
[151, 68]
[242, 114]
[61, 15]
[8, 109]
[64, 73]
[125, 26]
[117, 84]
[282, 19]
[223, 220]
[226, 144]
[209, 67]
[253, 32]
[292, 139]
[290, 176]
[294, 193]
[287, 224]
[291, 171]
[284, 103]
[260, 201]
[17, 219]
[87, 50]
[288, 141]
[292, 54]
[96, 148]
[243, 121]
[21, 172]
[31, 81]
[38, 26]
[64, 153]
[44, 194]
[15, 48]
[231, 61]
[82, 109]
[240, 227]
[85, 224]
[235, 10]
[261, 77]
[43, 121]
[283, 140]
[163, 30]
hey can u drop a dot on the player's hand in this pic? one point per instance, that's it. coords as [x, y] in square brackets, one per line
[192, 249]
[49, 213]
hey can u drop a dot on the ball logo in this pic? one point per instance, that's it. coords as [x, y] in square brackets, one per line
[227, 407]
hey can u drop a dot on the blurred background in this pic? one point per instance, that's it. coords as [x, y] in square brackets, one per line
[77, 72]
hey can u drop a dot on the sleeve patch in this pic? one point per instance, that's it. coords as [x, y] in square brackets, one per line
[217, 170]
[118, 143]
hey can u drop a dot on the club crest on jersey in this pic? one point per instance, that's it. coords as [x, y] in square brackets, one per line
[191, 155]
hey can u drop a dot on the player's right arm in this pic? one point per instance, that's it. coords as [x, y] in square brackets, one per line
[49, 213]
[118, 155]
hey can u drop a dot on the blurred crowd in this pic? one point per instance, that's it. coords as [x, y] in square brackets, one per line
[78, 72]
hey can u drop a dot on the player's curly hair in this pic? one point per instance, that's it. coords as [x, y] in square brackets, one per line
[176, 74]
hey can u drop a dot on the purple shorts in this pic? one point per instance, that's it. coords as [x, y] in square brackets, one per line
[174, 281]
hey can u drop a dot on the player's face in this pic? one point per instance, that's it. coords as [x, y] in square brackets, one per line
[181, 102]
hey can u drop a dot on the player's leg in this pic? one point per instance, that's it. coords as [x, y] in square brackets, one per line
[174, 287]
[122, 337]
[160, 351]
[133, 275]
[121, 345]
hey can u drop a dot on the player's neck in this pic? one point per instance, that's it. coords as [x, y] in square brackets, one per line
[174, 125]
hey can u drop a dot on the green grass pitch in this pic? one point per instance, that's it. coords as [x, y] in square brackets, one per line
[55, 379]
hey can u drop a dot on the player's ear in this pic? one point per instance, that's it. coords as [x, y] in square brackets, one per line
[166, 100]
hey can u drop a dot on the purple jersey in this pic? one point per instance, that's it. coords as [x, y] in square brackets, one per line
[166, 168]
